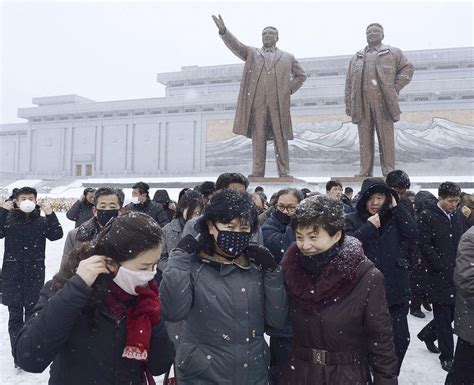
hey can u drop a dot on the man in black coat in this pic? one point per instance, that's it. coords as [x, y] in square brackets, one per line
[141, 202]
[399, 181]
[25, 232]
[383, 226]
[81, 210]
[441, 226]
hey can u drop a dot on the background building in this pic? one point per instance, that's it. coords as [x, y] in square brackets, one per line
[189, 131]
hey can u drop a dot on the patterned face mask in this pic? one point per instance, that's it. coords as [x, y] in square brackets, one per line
[233, 243]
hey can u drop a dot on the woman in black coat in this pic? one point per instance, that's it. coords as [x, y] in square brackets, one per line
[98, 321]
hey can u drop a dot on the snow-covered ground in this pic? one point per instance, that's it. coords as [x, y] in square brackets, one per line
[420, 367]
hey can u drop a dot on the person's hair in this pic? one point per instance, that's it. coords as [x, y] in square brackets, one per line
[423, 199]
[190, 200]
[374, 25]
[333, 183]
[293, 191]
[398, 179]
[122, 239]
[101, 191]
[320, 211]
[348, 190]
[258, 189]
[449, 189]
[260, 196]
[162, 197]
[305, 191]
[206, 188]
[142, 187]
[225, 179]
[223, 207]
[270, 27]
[26, 191]
[410, 194]
[181, 193]
[88, 190]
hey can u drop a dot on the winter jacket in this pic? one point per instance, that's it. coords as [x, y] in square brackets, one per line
[393, 73]
[385, 246]
[153, 209]
[351, 322]
[225, 308]
[80, 235]
[81, 211]
[464, 281]
[438, 243]
[60, 333]
[23, 261]
[277, 236]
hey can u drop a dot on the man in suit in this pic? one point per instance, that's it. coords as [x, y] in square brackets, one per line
[375, 77]
[263, 107]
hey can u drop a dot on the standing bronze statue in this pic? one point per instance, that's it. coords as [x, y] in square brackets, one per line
[263, 108]
[376, 75]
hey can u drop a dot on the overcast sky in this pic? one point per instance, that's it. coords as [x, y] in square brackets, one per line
[113, 50]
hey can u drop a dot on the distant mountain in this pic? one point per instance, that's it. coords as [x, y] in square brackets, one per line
[438, 139]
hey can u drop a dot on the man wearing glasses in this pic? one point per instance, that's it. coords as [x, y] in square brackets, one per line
[277, 237]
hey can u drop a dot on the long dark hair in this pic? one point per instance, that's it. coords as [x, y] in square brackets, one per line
[122, 239]
[223, 207]
[190, 200]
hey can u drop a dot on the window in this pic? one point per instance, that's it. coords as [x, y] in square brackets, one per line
[88, 169]
[78, 171]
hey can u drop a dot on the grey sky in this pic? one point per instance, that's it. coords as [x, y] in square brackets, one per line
[113, 50]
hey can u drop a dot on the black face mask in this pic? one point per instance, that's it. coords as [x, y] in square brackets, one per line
[282, 217]
[103, 216]
[233, 243]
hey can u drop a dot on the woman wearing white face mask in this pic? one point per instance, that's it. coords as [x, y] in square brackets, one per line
[98, 320]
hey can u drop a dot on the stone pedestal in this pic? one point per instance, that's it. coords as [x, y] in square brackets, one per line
[350, 179]
[274, 180]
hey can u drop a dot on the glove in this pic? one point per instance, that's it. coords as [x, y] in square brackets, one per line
[189, 244]
[262, 257]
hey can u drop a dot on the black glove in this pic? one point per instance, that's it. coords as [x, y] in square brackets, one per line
[189, 244]
[262, 257]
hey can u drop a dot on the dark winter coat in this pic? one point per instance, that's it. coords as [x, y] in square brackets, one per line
[80, 235]
[23, 261]
[60, 332]
[225, 308]
[385, 246]
[153, 209]
[464, 281]
[345, 315]
[81, 211]
[277, 236]
[438, 243]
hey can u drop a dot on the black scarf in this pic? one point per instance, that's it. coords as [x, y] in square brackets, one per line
[315, 264]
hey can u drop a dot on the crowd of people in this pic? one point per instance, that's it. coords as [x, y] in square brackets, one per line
[330, 277]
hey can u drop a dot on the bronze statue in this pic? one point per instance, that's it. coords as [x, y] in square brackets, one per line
[263, 108]
[375, 77]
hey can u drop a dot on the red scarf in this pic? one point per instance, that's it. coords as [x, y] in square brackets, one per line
[140, 318]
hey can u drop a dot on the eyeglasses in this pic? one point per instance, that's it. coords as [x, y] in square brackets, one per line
[289, 209]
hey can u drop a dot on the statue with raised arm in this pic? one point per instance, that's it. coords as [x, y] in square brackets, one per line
[263, 107]
[376, 75]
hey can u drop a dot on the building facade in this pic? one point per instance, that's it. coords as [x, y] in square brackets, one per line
[178, 133]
